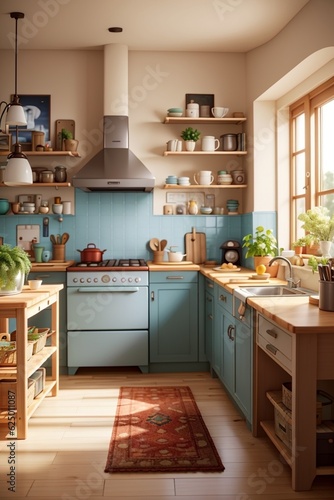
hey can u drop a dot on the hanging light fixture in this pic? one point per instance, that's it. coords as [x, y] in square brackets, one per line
[18, 171]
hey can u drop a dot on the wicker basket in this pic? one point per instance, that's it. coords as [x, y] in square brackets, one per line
[8, 354]
[9, 386]
[323, 399]
[36, 336]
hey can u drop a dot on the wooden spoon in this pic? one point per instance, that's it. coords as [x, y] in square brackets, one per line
[154, 244]
[163, 244]
[64, 238]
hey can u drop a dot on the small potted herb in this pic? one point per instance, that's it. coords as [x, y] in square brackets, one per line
[190, 136]
[300, 244]
[263, 247]
[14, 265]
[68, 143]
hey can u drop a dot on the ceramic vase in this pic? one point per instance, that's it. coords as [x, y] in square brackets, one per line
[325, 248]
[190, 145]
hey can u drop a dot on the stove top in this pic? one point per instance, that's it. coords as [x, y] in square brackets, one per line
[111, 264]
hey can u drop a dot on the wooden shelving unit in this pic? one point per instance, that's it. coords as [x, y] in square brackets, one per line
[23, 306]
[210, 186]
[204, 121]
[212, 153]
[45, 153]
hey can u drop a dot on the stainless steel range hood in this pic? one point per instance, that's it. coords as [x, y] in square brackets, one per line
[115, 168]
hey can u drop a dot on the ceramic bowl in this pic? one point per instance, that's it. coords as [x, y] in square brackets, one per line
[29, 208]
[206, 210]
[175, 256]
[43, 210]
[57, 208]
[35, 284]
[4, 206]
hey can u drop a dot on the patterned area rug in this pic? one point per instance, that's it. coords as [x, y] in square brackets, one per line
[160, 429]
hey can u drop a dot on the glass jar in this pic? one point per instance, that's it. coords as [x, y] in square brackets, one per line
[60, 174]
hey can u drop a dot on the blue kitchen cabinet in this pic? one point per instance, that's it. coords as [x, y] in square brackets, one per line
[232, 355]
[209, 315]
[173, 316]
[43, 318]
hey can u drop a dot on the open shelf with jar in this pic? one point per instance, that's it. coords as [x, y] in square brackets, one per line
[204, 121]
[210, 186]
[45, 153]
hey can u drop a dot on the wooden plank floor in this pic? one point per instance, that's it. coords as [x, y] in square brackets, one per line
[65, 453]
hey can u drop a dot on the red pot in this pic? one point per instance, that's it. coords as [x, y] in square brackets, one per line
[91, 254]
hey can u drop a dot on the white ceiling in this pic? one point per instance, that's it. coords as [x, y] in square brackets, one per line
[164, 25]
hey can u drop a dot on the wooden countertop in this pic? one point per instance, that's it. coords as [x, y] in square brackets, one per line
[232, 280]
[27, 298]
[295, 314]
[52, 265]
[172, 266]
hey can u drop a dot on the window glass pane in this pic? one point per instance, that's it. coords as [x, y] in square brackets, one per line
[326, 150]
[300, 174]
[327, 200]
[300, 132]
[300, 208]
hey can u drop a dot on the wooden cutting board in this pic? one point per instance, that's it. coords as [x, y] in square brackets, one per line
[195, 247]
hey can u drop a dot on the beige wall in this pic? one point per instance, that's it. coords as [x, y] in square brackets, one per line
[158, 80]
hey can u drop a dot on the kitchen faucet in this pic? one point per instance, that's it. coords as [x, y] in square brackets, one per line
[291, 282]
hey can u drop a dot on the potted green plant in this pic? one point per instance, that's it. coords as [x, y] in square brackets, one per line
[190, 136]
[14, 265]
[68, 143]
[263, 247]
[320, 227]
[300, 244]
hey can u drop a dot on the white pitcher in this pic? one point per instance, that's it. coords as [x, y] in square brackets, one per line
[204, 177]
[210, 143]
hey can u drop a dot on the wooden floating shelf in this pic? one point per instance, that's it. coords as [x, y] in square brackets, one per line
[75, 154]
[40, 184]
[204, 121]
[203, 186]
[214, 153]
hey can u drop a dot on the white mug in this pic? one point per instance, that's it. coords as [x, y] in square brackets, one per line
[210, 143]
[172, 145]
[205, 177]
[217, 111]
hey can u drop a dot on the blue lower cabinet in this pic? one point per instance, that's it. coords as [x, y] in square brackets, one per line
[232, 351]
[173, 317]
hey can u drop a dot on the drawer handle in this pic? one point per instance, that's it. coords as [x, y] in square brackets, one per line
[208, 299]
[272, 333]
[271, 349]
[209, 285]
[175, 277]
[210, 316]
[222, 298]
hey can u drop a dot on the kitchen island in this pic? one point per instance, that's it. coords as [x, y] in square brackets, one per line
[294, 343]
[23, 306]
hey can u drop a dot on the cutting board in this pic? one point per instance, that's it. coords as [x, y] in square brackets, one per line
[195, 247]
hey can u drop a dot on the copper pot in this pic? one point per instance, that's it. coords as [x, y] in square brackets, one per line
[91, 253]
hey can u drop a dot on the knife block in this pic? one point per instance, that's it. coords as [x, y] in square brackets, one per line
[58, 252]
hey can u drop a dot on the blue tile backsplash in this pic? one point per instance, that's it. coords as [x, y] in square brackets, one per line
[122, 223]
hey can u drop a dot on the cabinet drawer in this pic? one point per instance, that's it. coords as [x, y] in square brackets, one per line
[224, 298]
[275, 341]
[209, 285]
[170, 276]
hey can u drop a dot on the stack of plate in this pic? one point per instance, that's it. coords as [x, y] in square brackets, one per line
[183, 181]
[232, 206]
[174, 112]
[171, 179]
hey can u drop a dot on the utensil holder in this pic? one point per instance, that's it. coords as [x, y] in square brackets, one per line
[326, 295]
[158, 256]
[58, 252]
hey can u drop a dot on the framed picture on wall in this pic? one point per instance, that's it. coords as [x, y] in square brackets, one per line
[37, 111]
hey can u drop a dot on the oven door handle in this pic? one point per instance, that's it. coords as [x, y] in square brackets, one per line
[108, 289]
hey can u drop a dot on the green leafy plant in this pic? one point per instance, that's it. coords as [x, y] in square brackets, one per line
[313, 262]
[66, 134]
[318, 224]
[12, 260]
[190, 134]
[262, 244]
[303, 241]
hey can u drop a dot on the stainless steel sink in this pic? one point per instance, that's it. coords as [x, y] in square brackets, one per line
[243, 293]
[274, 291]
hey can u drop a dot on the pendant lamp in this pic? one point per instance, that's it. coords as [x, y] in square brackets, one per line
[18, 171]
